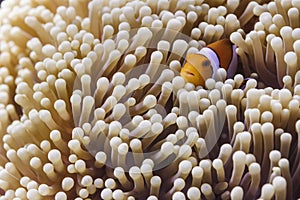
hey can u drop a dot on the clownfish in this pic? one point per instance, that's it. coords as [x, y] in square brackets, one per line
[205, 63]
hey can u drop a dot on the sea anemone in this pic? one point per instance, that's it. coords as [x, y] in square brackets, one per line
[92, 105]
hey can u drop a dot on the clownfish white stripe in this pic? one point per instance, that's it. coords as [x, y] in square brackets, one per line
[212, 56]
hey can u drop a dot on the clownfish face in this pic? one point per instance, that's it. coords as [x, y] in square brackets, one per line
[196, 69]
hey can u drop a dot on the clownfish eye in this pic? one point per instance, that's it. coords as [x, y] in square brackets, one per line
[206, 63]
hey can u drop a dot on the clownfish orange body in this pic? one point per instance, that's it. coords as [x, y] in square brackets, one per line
[204, 64]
